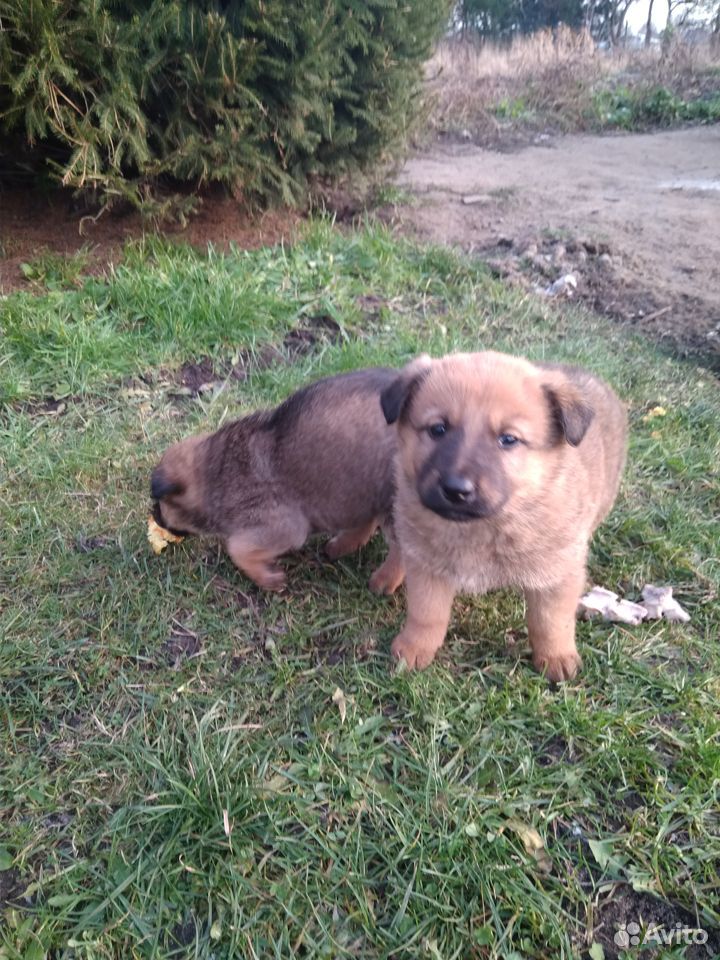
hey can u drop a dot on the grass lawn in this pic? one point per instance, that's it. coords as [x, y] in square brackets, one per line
[176, 779]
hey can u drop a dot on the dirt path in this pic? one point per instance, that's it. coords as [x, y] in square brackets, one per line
[636, 219]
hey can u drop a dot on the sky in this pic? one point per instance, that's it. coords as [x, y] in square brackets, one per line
[637, 15]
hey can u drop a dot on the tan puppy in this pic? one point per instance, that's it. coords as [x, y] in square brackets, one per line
[320, 462]
[505, 468]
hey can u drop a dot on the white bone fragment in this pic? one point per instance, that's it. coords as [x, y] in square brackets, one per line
[610, 607]
[659, 602]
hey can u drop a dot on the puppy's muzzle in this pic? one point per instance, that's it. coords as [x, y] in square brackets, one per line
[457, 489]
[158, 518]
[455, 497]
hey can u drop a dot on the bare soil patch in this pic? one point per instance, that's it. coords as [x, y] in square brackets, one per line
[206, 374]
[627, 918]
[10, 887]
[33, 223]
[634, 217]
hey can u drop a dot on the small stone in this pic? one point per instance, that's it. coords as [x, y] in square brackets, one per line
[208, 387]
[563, 286]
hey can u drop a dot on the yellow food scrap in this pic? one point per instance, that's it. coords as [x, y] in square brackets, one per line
[655, 412]
[159, 537]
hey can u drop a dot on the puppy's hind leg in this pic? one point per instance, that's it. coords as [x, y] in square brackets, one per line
[255, 551]
[349, 540]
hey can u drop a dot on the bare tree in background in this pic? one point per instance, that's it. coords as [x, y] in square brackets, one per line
[674, 6]
[606, 19]
[710, 13]
[681, 12]
[648, 28]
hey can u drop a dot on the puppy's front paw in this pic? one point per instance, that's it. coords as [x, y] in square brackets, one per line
[337, 547]
[558, 668]
[349, 540]
[386, 579]
[271, 578]
[416, 655]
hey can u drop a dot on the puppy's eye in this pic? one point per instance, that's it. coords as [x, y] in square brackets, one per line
[508, 440]
[437, 430]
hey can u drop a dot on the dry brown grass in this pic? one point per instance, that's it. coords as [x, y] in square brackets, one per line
[496, 94]
[525, 57]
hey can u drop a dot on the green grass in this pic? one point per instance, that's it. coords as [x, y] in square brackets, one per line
[175, 778]
[54, 271]
[515, 109]
[647, 108]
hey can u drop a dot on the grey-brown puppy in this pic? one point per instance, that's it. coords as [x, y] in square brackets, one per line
[320, 462]
[505, 468]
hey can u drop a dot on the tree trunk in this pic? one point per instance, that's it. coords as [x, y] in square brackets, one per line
[648, 28]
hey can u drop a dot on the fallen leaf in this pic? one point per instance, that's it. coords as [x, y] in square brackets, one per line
[339, 698]
[602, 850]
[484, 936]
[604, 853]
[655, 412]
[275, 784]
[532, 841]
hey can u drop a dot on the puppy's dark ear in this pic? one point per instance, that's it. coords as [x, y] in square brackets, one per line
[570, 411]
[161, 486]
[394, 399]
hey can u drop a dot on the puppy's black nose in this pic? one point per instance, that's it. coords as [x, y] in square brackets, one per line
[457, 489]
